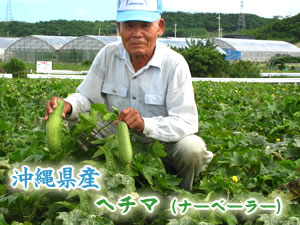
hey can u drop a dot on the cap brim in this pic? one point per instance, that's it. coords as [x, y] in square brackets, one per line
[136, 15]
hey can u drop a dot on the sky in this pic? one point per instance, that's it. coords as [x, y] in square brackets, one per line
[91, 10]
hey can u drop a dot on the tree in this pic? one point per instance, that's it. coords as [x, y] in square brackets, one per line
[244, 69]
[204, 60]
[16, 67]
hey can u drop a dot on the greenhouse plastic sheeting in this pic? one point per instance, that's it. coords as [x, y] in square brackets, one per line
[232, 54]
[257, 50]
[89, 42]
[6, 42]
[178, 42]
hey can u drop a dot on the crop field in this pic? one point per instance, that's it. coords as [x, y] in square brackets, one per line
[254, 178]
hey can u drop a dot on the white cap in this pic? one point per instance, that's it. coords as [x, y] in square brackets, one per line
[139, 10]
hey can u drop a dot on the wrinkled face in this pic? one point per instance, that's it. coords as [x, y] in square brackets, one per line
[139, 38]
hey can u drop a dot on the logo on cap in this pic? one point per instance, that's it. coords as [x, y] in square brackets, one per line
[137, 5]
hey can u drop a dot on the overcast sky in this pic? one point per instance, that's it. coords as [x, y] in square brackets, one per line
[91, 10]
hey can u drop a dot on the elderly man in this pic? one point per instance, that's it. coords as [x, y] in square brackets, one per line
[151, 86]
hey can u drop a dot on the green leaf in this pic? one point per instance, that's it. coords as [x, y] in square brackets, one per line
[4, 163]
[105, 114]
[86, 201]
[103, 141]
[272, 107]
[298, 163]
[18, 223]
[88, 121]
[186, 220]
[297, 142]
[99, 152]
[68, 205]
[237, 159]
[2, 220]
[3, 125]
[228, 218]
[78, 217]
[158, 149]
[47, 222]
[154, 172]
[86, 124]
[117, 184]
[100, 108]
[271, 219]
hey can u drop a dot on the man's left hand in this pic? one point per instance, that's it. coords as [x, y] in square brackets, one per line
[132, 118]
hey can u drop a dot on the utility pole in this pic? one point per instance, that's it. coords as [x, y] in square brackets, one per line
[8, 11]
[241, 22]
[175, 29]
[220, 28]
[117, 29]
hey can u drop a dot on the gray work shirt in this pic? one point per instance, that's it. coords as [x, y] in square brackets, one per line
[161, 91]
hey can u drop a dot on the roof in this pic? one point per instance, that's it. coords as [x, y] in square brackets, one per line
[5, 42]
[105, 39]
[55, 41]
[177, 42]
[255, 45]
[90, 42]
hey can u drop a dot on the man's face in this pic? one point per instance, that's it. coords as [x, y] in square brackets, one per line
[139, 38]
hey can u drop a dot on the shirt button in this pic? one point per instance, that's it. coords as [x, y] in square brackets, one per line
[114, 91]
[134, 98]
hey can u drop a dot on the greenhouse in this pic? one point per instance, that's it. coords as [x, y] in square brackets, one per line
[68, 49]
[254, 50]
[36, 48]
[177, 42]
[84, 48]
[4, 44]
[184, 43]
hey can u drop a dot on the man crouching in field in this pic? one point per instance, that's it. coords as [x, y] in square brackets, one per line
[150, 85]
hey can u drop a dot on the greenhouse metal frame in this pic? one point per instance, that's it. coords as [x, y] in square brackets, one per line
[36, 48]
[84, 48]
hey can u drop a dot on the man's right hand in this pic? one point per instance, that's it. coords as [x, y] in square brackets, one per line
[132, 118]
[52, 104]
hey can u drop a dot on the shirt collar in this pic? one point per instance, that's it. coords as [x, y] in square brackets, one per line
[157, 57]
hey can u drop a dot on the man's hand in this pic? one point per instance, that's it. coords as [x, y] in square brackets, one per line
[132, 118]
[52, 104]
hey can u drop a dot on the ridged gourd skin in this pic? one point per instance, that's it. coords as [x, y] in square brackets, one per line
[53, 129]
[124, 144]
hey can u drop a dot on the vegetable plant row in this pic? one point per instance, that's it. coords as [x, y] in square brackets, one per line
[252, 129]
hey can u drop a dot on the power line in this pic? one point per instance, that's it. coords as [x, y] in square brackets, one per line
[242, 21]
[9, 16]
[219, 27]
